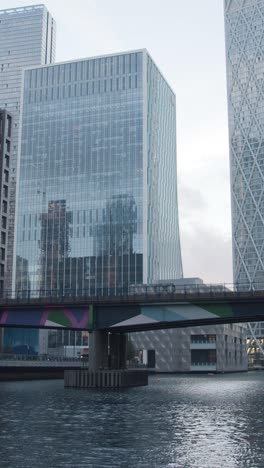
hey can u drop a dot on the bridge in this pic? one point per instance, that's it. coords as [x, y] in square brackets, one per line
[109, 318]
[146, 308]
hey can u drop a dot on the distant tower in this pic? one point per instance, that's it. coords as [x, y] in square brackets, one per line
[244, 26]
[103, 151]
[27, 38]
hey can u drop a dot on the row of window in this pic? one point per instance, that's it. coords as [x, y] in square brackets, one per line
[84, 70]
[82, 89]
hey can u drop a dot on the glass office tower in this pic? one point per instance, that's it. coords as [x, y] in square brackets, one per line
[5, 150]
[97, 208]
[27, 38]
[244, 24]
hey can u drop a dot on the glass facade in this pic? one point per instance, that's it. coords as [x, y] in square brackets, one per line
[5, 149]
[244, 24]
[27, 38]
[84, 221]
[163, 253]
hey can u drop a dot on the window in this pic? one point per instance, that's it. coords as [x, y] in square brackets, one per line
[203, 338]
[6, 175]
[4, 222]
[5, 190]
[3, 238]
[9, 126]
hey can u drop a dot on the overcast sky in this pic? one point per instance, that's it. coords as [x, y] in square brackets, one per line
[186, 40]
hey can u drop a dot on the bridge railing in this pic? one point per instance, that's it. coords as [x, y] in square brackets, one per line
[37, 357]
[135, 293]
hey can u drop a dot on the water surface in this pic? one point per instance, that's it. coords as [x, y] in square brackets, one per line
[177, 421]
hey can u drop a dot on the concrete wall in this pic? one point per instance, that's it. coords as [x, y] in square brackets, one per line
[173, 347]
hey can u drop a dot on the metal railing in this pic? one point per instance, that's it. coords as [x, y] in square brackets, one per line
[211, 342]
[37, 358]
[136, 293]
[203, 364]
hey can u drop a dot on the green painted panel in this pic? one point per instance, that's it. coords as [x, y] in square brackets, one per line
[221, 310]
[58, 316]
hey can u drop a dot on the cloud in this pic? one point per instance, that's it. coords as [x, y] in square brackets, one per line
[206, 254]
[206, 247]
[192, 203]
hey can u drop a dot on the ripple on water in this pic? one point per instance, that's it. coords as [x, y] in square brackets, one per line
[177, 421]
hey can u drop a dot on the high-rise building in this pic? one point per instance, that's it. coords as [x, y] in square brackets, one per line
[244, 27]
[27, 38]
[5, 158]
[97, 209]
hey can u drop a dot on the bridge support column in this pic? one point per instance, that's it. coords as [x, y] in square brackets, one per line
[107, 350]
[117, 343]
[98, 350]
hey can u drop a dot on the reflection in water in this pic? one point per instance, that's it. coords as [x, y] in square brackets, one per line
[179, 421]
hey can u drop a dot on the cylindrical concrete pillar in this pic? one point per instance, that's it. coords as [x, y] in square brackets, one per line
[98, 350]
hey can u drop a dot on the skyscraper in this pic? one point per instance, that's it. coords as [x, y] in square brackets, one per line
[244, 26]
[97, 204]
[5, 150]
[27, 38]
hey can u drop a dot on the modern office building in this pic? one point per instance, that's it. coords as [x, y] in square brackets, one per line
[244, 27]
[5, 157]
[97, 206]
[27, 38]
[5, 161]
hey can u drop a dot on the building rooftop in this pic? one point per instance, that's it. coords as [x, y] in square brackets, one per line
[18, 10]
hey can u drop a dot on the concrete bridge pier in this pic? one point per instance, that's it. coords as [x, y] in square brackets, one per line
[107, 361]
[117, 350]
[107, 350]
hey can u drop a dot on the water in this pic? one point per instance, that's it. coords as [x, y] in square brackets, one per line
[177, 421]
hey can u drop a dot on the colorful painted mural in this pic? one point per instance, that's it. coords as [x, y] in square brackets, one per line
[52, 317]
[131, 317]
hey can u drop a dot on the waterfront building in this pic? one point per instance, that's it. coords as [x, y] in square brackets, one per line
[27, 38]
[97, 209]
[218, 348]
[244, 26]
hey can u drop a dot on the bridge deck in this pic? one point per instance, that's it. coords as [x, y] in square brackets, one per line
[147, 298]
[137, 312]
